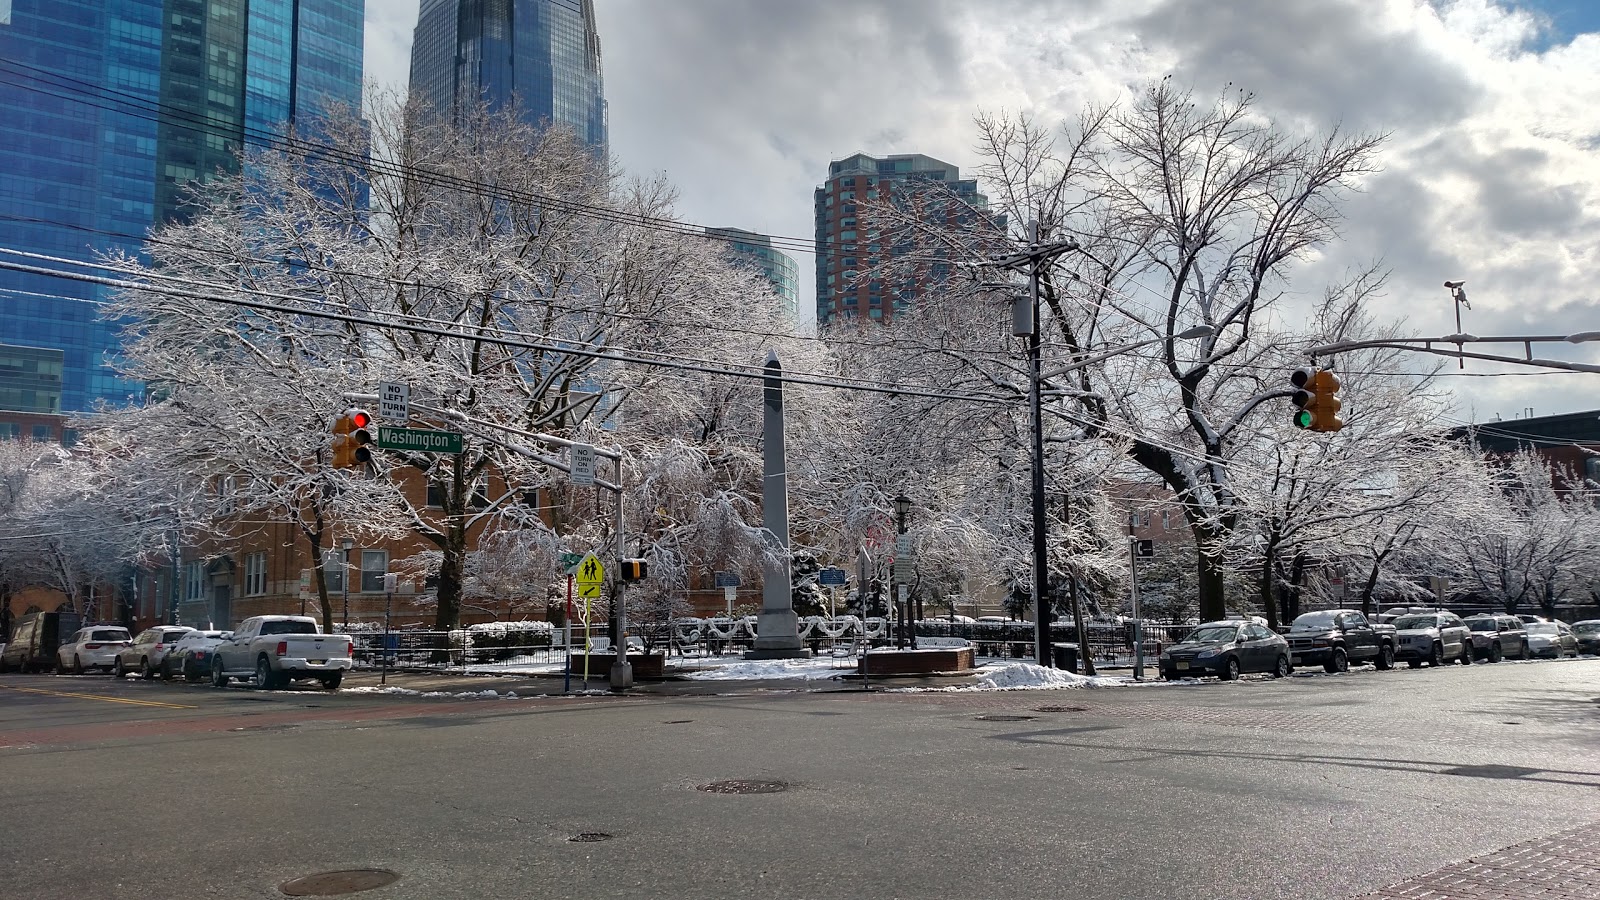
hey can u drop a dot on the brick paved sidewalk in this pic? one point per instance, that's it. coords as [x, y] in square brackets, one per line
[1564, 866]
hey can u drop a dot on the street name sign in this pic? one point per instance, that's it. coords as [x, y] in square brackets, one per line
[582, 465]
[832, 576]
[590, 576]
[394, 402]
[569, 562]
[418, 439]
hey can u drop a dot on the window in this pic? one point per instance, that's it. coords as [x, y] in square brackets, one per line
[194, 581]
[333, 571]
[255, 574]
[374, 565]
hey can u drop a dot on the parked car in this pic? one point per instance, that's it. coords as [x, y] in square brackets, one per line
[146, 652]
[1227, 649]
[274, 650]
[1338, 639]
[1588, 634]
[1551, 639]
[94, 647]
[1496, 637]
[1432, 637]
[1530, 618]
[35, 638]
[191, 655]
[1388, 616]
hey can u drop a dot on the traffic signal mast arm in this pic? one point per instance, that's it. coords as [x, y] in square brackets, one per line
[1426, 345]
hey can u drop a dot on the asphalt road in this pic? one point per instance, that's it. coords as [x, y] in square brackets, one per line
[1311, 787]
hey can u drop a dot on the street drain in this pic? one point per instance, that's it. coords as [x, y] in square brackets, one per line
[677, 721]
[1004, 718]
[744, 786]
[346, 881]
[1054, 709]
[589, 837]
[1492, 771]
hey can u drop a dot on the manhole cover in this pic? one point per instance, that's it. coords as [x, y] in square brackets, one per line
[331, 884]
[1054, 709]
[1004, 718]
[589, 837]
[743, 786]
[1492, 771]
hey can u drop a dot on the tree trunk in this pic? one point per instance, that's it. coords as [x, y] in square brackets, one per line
[1213, 596]
[1269, 599]
[451, 567]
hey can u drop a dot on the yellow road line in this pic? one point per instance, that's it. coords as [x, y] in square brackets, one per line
[98, 697]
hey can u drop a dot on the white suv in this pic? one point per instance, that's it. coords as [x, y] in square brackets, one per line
[95, 647]
[147, 651]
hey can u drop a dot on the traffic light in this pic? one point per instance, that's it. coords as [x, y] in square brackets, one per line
[342, 456]
[360, 436]
[1316, 398]
[633, 570]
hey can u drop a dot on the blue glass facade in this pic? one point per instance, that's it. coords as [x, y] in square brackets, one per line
[108, 107]
[542, 54]
[756, 250]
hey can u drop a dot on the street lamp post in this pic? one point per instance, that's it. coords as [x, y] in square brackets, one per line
[902, 507]
[344, 579]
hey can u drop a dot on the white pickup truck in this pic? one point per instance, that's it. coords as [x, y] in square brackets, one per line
[273, 650]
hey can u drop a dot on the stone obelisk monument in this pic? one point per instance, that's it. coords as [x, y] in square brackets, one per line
[777, 629]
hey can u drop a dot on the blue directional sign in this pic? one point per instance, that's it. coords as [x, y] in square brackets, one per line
[727, 579]
[832, 576]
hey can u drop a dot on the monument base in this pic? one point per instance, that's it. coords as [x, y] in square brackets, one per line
[778, 653]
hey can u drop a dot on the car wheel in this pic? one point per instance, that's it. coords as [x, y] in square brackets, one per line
[1495, 653]
[1436, 657]
[331, 682]
[145, 671]
[77, 664]
[1524, 651]
[117, 671]
[190, 673]
[1385, 659]
[219, 678]
[1281, 670]
[1230, 669]
[1339, 661]
[1413, 663]
[266, 680]
[1466, 654]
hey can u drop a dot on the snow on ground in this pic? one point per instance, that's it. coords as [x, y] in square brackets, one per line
[733, 668]
[1029, 677]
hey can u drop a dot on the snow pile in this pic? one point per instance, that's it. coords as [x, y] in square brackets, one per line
[407, 692]
[1029, 677]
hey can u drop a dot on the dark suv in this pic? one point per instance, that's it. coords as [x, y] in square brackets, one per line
[1496, 637]
[1336, 639]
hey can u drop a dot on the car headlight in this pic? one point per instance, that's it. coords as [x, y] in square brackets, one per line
[1207, 654]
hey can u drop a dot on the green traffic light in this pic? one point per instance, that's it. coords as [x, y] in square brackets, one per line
[1304, 418]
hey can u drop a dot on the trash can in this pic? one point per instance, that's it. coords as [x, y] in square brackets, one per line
[1065, 656]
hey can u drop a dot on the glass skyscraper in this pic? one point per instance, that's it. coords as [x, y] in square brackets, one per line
[544, 54]
[756, 250]
[108, 107]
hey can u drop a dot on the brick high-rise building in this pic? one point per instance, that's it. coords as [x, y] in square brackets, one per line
[853, 280]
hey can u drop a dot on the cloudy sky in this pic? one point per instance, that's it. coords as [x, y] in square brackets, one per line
[1491, 173]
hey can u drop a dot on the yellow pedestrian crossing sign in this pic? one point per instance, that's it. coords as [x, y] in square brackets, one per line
[590, 575]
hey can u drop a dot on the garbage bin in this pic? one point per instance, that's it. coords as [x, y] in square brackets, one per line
[1065, 656]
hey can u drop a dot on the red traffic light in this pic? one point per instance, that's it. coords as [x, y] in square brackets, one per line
[359, 418]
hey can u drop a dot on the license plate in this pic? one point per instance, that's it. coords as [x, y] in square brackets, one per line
[1295, 661]
[316, 662]
[1182, 666]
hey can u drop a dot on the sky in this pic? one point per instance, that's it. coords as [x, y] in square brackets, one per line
[1490, 173]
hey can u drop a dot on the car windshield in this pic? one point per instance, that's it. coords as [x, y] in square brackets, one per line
[1317, 621]
[108, 634]
[1405, 622]
[1481, 624]
[1214, 634]
[1542, 628]
[1587, 628]
[289, 626]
